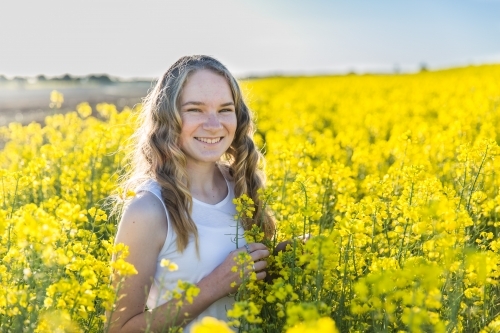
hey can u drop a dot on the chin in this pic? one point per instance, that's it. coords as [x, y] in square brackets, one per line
[205, 159]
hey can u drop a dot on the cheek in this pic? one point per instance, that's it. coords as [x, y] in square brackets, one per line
[233, 124]
[184, 135]
[188, 125]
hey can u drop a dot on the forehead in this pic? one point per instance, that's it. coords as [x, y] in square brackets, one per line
[205, 84]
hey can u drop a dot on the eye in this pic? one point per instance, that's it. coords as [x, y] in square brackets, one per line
[226, 110]
[193, 110]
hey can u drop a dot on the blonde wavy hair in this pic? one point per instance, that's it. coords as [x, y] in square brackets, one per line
[157, 155]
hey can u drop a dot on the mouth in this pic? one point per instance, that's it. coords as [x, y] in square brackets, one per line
[209, 140]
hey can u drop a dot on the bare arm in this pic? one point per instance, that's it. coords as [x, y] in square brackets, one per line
[143, 230]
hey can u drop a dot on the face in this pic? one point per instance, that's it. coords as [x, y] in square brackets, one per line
[208, 117]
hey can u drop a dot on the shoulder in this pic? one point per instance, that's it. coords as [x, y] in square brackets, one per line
[144, 219]
[146, 206]
[149, 185]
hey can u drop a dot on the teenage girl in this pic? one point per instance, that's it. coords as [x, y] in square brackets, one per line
[194, 153]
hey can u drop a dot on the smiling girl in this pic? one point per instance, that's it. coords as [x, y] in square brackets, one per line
[194, 153]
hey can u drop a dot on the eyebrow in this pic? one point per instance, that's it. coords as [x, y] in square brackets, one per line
[201, 103]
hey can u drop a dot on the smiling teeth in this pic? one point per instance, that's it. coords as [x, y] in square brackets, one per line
[206, 140]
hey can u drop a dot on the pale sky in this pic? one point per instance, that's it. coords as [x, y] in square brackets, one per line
[143, 38]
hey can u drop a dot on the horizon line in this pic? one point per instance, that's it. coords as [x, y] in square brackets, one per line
[346, 70]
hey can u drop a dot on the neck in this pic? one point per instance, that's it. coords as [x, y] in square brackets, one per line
[205, 181]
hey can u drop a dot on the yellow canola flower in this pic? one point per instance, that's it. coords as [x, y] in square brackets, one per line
[123, 268]
[56, 99]
[323, 325]
[210, 325]
[169, 265]
[84, 109]
[56, 321]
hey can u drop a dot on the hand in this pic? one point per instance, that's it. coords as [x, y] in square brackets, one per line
[257, 252]
[222, 277]
[282, 246]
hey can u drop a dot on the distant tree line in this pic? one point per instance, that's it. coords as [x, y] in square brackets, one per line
[95, 78]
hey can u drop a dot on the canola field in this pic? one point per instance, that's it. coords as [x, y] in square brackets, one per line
[395, 178]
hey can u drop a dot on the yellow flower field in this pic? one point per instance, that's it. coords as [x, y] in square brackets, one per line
[393, 178]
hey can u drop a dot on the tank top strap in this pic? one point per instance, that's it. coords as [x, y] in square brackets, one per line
[153, 187]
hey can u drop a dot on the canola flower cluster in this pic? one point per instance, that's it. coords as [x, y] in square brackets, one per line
[385, 188]
[56, 237]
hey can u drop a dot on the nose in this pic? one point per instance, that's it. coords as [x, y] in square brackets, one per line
[212, 122]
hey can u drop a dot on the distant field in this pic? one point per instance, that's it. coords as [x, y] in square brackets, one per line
[31, 103]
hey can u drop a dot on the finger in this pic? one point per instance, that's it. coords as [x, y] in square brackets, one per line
[261, 275]
[255, 247]
[260, 265]
[245, 248]
[281, 246]
[259, 254]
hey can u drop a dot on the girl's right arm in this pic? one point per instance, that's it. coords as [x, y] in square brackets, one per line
[143, 229]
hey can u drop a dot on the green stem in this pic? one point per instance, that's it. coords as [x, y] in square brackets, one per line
[463, 185]
[400, 252]
[476, 178]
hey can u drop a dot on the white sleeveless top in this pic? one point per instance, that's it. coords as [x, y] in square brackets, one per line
[217, 232]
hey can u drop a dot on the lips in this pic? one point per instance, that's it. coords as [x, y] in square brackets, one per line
[209, 140]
